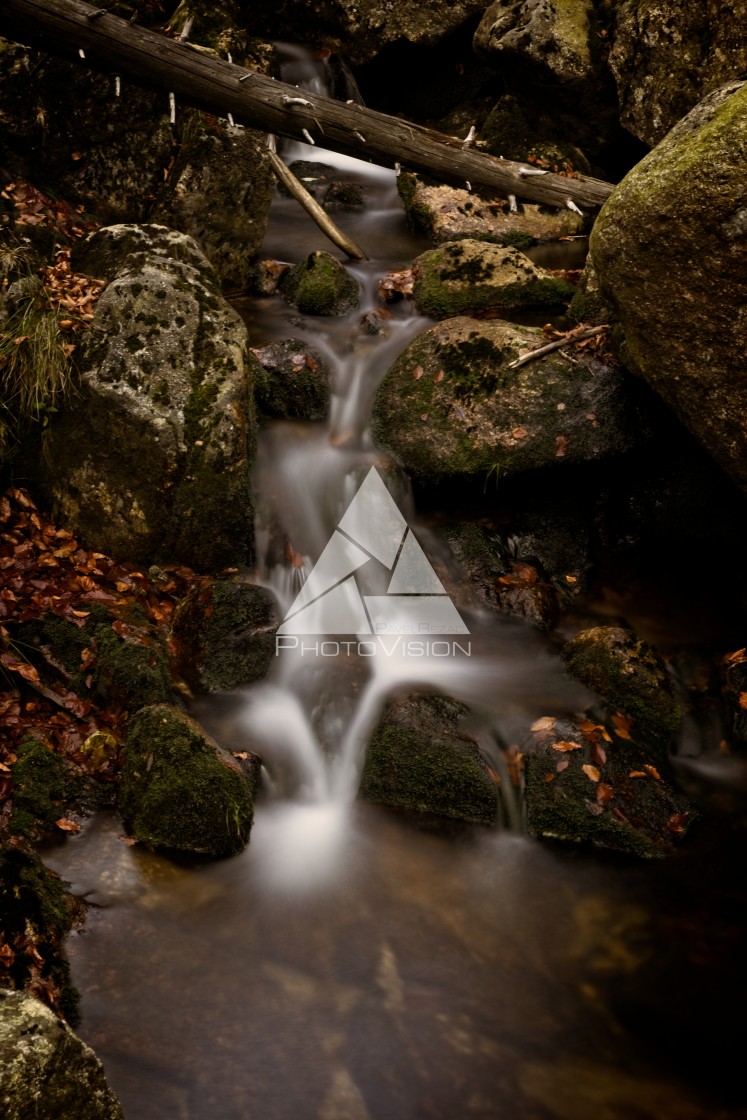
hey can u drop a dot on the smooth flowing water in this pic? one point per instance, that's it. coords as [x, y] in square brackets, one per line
[347, 966]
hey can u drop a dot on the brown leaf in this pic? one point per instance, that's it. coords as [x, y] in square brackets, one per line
[566, 745]
[599, 754]
[605, 793]
[591, 772]
[67, 825]
[519, 433]
[546, 723]
[677, 823]
[652, 771]
[562, 765]
[417, 373]
[622, 725]
[561, 447]
[637, 774]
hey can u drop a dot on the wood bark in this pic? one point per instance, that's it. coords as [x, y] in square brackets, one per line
[146, 58]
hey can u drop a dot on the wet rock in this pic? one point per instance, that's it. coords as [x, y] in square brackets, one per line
[320, 285]
[350, 197]
[497, 579]
[630, 675]
[151, 461]
[294, 382]
[550, 39]
[589, 304]
[466, 277]
[180, 790]
[37, 913]
[683, 332]
[47, 1071]
[419, 761]
[446, 213]
[667, 56]
[587, 784]
[225, 634]
[451, 406]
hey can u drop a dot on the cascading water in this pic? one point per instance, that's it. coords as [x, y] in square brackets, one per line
[346, 966]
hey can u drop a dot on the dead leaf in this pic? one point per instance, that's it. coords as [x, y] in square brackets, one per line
[591, 772]
[566, 745]
[652, 771]
[546, 723]
[561, 447]
[67, 825]
[605, 793]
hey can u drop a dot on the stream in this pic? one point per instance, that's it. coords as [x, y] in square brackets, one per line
[348, 966]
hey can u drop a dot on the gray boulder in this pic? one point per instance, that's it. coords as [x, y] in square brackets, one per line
[46, 1072]
[666, 56]
[451, 406]
[670, 252]
[151, 460]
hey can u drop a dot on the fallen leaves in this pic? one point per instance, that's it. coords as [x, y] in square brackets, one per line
[34, 208]
[592, 773]
[567, 745]
[395, 286]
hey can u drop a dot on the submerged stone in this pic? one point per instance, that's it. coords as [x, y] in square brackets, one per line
[46, 1071]
[320, 285]
[452, 406]
[180, 790]
[467, 277]
[418, 760]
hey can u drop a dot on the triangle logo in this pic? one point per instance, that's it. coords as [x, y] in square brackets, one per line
[372, 532]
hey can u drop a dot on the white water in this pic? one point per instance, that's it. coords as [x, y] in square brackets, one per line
[312, 717]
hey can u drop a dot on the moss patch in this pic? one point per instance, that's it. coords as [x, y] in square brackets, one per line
[320, 285]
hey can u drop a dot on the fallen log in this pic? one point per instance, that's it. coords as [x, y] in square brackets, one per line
[75, 30]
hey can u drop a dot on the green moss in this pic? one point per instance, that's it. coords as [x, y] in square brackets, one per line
[631, 677]
[320, 285]
[36, 909]
[180, 790]
[129, 675]
[39, 788]
[428, 769]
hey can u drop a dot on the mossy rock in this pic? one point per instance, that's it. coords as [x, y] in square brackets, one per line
[293, 382]
[151, 461]
[445, 213]
[320, 285]
[127, 673]
[40, 788]
[418, 761]
[586, 784]
[452, 406]
[630, 675]
[47, 1071]
[36, 913]
[348, 197]
[467, 277]
[225, 634]
[180, 790]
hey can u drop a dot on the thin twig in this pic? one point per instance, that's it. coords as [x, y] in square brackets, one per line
[557, 345]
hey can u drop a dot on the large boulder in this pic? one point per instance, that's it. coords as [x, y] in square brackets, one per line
[550, 38]
[151, 461]
[180, 790]
[451, 406]
[46, 1071]
[420, 761]
[666, 56]
[468, 277]
[670, 251]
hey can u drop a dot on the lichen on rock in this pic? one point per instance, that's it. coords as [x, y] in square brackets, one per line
[467, 277]
[151, 461]
[451, 406]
